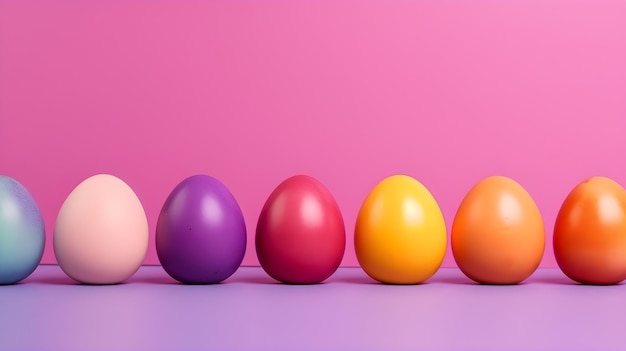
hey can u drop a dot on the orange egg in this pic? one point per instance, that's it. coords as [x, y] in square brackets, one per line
[498, 235]
[590, 233]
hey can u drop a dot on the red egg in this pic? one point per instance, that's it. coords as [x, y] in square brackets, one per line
[300, 235]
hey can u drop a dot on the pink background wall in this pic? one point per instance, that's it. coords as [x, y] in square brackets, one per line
[348, 91]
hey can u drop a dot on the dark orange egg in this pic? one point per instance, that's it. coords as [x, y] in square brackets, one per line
[590, 233]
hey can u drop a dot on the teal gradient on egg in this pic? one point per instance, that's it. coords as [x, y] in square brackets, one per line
[22, 232]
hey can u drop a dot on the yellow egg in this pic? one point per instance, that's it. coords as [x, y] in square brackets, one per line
[400, 234]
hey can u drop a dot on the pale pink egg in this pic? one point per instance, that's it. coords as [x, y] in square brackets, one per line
[101, 232]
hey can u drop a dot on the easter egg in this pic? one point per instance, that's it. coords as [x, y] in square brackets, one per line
[400, 233]
[300, 235]
[590, 233]
[498, 235]
[22, 232]
[101, 232]
[201, 233]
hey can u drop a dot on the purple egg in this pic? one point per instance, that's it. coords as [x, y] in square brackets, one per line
[201, 233]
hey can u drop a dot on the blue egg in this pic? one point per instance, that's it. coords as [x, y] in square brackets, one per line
[22, 232]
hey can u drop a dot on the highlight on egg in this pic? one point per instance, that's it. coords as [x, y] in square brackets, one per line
[590, 232]
[400, 234]
[22, 232]
[201, 232]
[498, 235]
[300, 235]
[101, 232]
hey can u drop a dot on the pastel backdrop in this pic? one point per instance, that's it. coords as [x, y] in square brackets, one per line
[347, 91]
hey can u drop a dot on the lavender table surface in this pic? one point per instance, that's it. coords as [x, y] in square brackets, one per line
[48, 311]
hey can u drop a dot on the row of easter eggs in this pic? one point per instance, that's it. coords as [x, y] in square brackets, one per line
[498, 237]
